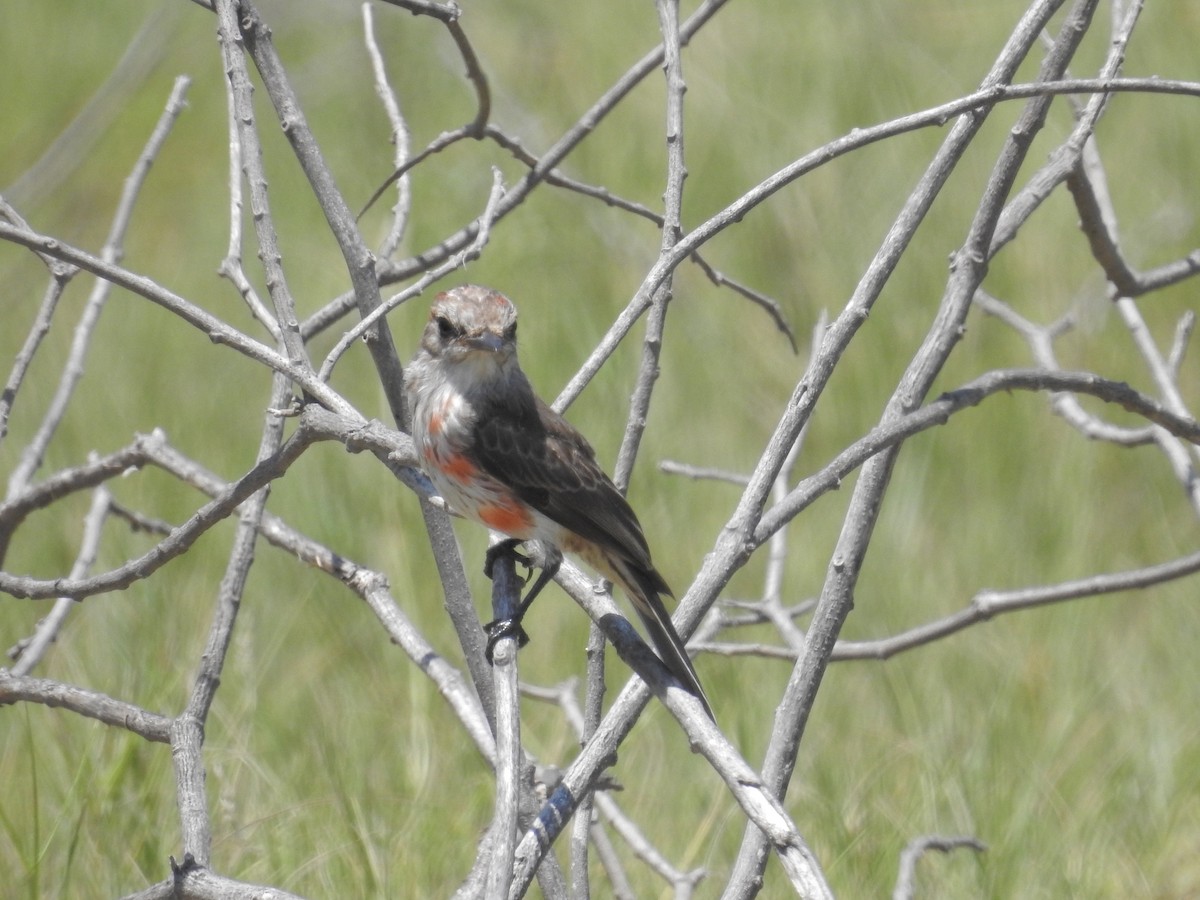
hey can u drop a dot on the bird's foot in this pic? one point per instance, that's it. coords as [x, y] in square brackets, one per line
[510, 626]
[499, 630]
[507, 548]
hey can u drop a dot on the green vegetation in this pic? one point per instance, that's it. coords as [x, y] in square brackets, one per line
[1064, 738]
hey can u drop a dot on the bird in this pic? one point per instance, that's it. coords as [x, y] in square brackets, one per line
[500, 456]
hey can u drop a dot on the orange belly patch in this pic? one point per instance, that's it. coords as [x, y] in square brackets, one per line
[458, 467]
[508, 518]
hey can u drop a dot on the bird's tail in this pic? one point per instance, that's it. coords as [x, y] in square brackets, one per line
[644, 589]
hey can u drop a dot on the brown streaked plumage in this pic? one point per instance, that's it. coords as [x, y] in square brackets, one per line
[502, 457]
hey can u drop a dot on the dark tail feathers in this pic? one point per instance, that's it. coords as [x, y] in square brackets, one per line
[643, 589]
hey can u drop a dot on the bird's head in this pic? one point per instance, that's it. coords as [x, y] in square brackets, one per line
[473, 325]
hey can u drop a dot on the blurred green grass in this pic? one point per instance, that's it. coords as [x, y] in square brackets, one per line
[1064, 738]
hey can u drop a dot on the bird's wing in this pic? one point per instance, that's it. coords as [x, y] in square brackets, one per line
[551, 466]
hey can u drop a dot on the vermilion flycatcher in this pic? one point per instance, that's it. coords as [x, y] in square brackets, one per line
[499, 455]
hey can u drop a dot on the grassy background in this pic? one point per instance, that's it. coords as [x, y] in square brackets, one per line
[1065, 738]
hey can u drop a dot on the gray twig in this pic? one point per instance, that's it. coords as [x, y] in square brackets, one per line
[448, 14]
[29, 652]
[401, 138]
[837, 595]
[92, 704]
[906, 879]
[35, 450]
[506, 598]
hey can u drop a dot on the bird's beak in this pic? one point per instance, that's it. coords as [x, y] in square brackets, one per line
[489, 341]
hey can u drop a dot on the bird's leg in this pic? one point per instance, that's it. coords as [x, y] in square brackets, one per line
[511, 627]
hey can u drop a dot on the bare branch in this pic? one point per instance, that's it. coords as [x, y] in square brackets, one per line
[772, 601]
[639, 843]
[29, 652]
[392, 272]
[967, 270]
[589, 722]
[97, 470]
[672, 230]
[1088, 185]
[1183, 336]
[556, 178]
[192, 881]
[989, 604]
[533, 803]
[606, 855]
[745, 786]
[361, 266]
[702, 473]
[92, 704]
[984, 606]
[1066, 159]
[33, 340]
[448, 15]
[187, 732]
[972, 107]
[214, 329]
[443, 12]
[369, 585]
[907, 877]
[1182, 462]
[506, 598]
[31, 458]
[231, 266]
[401, 137]
[1041, 343]
[938, 411]
[360, 262]
[180, 538]
[291, 342]
[472, 253]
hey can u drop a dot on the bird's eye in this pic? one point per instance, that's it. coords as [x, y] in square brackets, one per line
[510, 333]
[446, 328]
